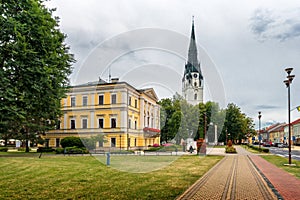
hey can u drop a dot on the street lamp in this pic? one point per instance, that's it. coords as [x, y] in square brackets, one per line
[259, 136]
[205, 124]
[288, 83]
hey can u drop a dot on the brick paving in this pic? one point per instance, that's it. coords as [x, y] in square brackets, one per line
[286, 184]
[244, 176]
[234, 177]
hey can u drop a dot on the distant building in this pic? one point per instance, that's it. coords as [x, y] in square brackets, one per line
[127, 117]
[192, 81]
[276, 133]
[295, 132]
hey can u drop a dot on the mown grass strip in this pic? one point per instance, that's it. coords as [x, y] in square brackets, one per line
[84, 177]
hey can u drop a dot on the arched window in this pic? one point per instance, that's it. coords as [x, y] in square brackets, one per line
[195, 97]
[195, 84]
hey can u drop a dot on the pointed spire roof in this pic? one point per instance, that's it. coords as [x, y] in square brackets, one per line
[193, 65]
[193, 55]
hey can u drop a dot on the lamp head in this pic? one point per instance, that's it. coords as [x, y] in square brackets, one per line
[291, 77]
[289, 70]
[287, 83]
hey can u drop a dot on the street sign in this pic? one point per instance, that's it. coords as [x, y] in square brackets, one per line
[260, 138]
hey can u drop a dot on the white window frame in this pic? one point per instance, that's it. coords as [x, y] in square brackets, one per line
[111, 99]
[73, 97]
[82, 119]
[87, 99]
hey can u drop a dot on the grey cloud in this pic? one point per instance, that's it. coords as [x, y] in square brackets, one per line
[266, 107]
[281, 26]
[260, 21]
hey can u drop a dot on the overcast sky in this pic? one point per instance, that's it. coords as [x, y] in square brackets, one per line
[244, 47]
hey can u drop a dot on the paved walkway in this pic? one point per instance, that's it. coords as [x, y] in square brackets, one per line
[287, 185]
[239, 177]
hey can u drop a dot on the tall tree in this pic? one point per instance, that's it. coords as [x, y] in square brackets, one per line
[34, 67]
[237, 125]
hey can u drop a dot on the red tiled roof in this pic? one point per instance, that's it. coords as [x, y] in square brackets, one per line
[297, 121]
[272, 126]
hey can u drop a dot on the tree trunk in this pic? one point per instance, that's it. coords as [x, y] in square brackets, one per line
[27, 146]
[26, 141]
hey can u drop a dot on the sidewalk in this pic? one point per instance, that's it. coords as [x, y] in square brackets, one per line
[286, 184]
[244, 176]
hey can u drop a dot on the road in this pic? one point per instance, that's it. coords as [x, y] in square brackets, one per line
[284, 152]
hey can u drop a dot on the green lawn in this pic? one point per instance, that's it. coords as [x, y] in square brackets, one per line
[280, 161]
[84, 177]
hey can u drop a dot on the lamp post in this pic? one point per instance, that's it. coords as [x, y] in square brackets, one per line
[205, 126]
[259, 136]
[288, 83]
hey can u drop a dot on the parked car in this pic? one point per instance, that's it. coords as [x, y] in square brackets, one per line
[282, 145]
[276, 144]
[267, 144]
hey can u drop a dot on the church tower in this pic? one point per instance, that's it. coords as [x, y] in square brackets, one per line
[192, 81]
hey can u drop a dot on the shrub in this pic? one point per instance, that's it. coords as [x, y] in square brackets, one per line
[23, 149]
[155, 145]
[59, 150]
[153, 149]
[44, 149]
[3, 149]
[71, 142]
[265, 150]
[230, 149]
[76, 150]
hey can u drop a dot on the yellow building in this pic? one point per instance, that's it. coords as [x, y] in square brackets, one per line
[127, 117]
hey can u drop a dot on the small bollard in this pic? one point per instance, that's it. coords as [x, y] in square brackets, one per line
[108, 158]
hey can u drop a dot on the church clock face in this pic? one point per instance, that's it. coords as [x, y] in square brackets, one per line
[195, 75]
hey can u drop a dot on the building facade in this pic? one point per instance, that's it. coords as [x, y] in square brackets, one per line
[276, 134]
[192, 81]
[127, 117]
[295, 132]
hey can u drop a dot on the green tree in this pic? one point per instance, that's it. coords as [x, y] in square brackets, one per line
[34, 67]
[166, 113]
[71, 142]
[237, 125]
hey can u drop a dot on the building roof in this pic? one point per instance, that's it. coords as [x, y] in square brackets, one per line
[278, 128]
[193, 65]
[297, 121]
[147, 91]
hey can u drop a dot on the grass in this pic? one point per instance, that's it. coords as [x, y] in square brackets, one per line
[280, 161]
[252, 150]
[84, 177]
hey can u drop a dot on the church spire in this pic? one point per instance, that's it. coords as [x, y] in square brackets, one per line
[192, 54]
[192, 81]
[193, 64]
